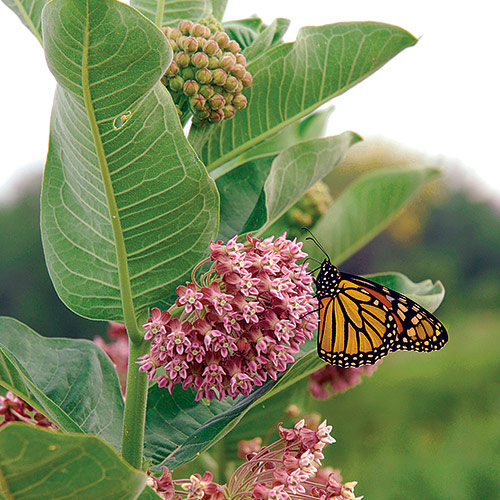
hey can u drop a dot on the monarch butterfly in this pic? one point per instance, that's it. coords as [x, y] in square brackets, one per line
[362, 321]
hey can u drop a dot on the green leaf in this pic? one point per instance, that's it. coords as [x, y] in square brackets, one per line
[170, 12]
[72, 382]
[299, 167]
[256, 194]
[127, 207]
[244, 31]
[267, 38]
[30, 14]
[311, 127]
[218, 8]
[148, 494]
[44, 465]
[293, 79]
[241, 194]
[426, 293]
[178, 428]
[364, 209]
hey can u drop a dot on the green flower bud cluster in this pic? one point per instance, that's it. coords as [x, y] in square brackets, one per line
[207, 74]
[306, 212]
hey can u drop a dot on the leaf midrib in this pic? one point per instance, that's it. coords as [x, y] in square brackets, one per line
[121, 253]
[28, 20]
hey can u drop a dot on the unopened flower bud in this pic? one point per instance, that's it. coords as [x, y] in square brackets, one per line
[216, 116]
[217, 101]
[173, 45]
[190, 87]
[182, 59]
[174, 34]
[239, 87]
[199, 60]
[197, 102]
[207, 91]
[228, 111]
[241, 59]
[211, 47]
[172, 69]
[228, 96]
[190, 44]
[185, 26]
[202, 113]
[213, 62]
[246, 79]
[200, 30]
[234, 46]
[228, 62]
[231, 83]
[188, 73]
[238, 71]
[219, 76]
[204, 76]
[222, 39]
[176, 84]
[239, 101]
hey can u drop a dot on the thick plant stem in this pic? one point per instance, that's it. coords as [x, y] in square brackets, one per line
[135, 407]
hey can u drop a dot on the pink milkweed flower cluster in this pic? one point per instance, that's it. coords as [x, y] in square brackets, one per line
[288, 469]
[15, 409]
[242, 323]
[330, 380]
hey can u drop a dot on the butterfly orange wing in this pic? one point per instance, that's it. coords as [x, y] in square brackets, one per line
[364, 321]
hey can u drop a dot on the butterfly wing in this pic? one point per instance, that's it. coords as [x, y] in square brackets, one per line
[356, 328]
[416, 328]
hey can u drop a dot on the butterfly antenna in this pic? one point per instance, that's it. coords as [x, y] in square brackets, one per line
[305, 260]
[318, 244]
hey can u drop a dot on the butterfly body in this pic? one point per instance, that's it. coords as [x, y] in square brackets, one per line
[362, 321]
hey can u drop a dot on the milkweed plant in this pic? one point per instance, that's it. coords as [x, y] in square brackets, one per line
[185, 154]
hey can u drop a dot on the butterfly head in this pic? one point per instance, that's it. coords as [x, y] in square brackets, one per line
[327, 279]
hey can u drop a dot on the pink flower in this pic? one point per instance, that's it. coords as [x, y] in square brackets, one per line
[15, 409]
[243, 323]
[286, 469]
[331, 380]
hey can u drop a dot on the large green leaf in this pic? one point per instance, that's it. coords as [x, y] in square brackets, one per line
[30, 14]
[36, 464]
[364, 209]
[256, 194]
[293, 79]
[218, 8]
[127, 207]
[170, 12]
[178, 429]
[311, 127]
[72, 382]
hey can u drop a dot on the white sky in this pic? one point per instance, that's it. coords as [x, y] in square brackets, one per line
[440, 97]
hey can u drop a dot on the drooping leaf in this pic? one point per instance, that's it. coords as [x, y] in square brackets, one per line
[267, 38]
[299, 167]
[293, 79]
[426, 293]
[44, 465]
[178, 428]
[365, 208]
[30, 14]
[127, 207]
[256, 194]
[72, 382]
[311, 127]
[170, 12]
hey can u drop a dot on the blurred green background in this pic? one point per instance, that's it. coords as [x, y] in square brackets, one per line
[423, 426]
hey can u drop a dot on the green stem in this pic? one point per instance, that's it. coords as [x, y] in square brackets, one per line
[135, 407]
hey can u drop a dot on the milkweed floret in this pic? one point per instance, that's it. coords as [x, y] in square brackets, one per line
[288, 469]
[205, 55]
[243, 322]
